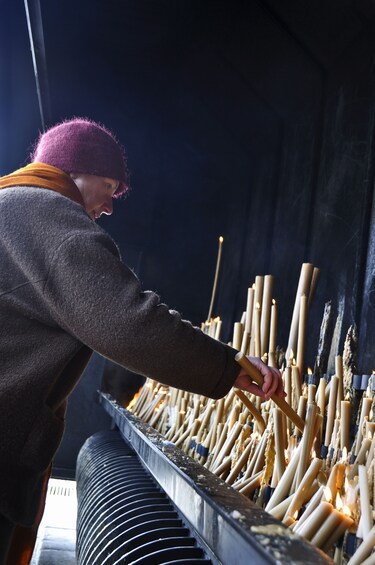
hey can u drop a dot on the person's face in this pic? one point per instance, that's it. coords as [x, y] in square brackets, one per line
[97, 193]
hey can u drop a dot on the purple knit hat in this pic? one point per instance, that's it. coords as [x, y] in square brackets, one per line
[83, 146]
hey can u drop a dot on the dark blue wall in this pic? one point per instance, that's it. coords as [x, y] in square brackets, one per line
[252, 120]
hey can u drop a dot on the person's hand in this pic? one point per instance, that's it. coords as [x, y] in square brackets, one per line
[272, 381]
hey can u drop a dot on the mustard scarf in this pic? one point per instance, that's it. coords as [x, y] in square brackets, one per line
[44, 176]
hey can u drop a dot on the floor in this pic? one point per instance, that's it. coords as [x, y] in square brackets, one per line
[56, 539]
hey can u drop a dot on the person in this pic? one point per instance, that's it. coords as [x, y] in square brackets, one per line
[65, 292]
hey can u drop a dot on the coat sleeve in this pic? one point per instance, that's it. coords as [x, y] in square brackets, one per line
[95, 297]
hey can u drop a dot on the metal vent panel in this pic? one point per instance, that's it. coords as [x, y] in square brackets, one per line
[123, 514]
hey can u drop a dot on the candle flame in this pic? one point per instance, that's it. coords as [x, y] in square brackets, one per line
[295, 515]
[221, 239]
[327, 494]
[309, 371]
[346, 511]
[346, 484]
[344, 454]
[273, 302]
[133, 400]
[313, 455]
[339, 503]
[257, 306]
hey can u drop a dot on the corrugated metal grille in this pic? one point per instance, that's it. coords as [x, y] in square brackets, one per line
[123, 515]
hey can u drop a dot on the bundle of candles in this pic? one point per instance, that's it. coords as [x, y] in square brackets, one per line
[306, 459]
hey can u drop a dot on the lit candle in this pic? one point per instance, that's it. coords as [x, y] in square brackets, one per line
[289, 522]
[335, 479]
[212, 328]
[219, 324]
[321, 395]
[273, 328]
[328, 527]
[221, 239]
[344, 525]
[313, 523]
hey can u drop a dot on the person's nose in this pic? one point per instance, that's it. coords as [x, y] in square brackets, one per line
[108, 207]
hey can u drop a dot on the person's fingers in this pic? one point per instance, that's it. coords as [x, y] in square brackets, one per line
[254, 389]
[272, 381]
[244, 382]
[275, 383]
[267, 381]
[280, 387]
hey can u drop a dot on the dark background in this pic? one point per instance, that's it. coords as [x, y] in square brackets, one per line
[248, 119]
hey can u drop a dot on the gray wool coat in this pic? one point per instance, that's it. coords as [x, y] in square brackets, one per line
[65, 292]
